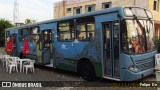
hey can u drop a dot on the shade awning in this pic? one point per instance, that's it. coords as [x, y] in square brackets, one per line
[25, 47]
[9, 47]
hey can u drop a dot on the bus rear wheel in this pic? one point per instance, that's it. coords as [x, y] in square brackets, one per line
[87, 71]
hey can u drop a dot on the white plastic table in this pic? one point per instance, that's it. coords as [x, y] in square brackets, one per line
[21, 63]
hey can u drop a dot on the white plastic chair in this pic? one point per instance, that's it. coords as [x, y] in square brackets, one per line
[17, 58]
[12, 64]
[29, 65]
[157, 66]
[4, 59]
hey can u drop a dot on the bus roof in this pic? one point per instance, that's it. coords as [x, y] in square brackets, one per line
[93, 13]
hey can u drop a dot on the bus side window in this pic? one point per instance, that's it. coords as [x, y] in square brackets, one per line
[78, 35]
[85, 29]
[24, 33]
[66, 31]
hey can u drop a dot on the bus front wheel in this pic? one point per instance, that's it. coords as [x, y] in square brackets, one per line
[87, 71]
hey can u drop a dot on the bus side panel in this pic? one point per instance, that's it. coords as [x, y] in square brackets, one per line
[20, 40]
[19, 44]
[14, 32]
[32, 51]
[67, 54]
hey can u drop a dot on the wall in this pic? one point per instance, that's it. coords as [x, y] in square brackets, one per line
[60, 11]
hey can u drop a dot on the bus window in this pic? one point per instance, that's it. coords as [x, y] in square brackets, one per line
[85, 30]
[139, 37]
[66, 31]
[34, 30]
[34, 34]
[47, 38]
[24, 33]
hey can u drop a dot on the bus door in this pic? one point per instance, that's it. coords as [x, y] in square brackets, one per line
[111, 49]
[47, 50]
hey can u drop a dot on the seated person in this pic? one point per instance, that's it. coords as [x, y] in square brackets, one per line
[135, 45]
[90, 37]
[79, 36]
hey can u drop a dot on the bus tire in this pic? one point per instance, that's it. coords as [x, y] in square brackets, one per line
[86, 70]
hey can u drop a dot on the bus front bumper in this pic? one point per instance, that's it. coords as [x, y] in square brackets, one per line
[128, 75]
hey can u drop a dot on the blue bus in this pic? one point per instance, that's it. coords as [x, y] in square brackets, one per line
[116, 43]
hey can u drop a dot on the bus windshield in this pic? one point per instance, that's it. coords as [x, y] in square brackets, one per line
[138, 36]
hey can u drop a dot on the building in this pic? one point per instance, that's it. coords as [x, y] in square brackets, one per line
[72, 7]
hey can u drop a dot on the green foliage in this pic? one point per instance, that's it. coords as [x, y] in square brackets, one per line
[3, 25]
[27, 21]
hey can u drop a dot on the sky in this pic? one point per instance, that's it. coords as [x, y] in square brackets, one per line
[39, 10]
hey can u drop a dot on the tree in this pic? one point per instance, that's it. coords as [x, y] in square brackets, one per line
[3, 25]
[27, 21]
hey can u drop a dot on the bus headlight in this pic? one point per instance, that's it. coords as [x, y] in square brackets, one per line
[133, 68]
